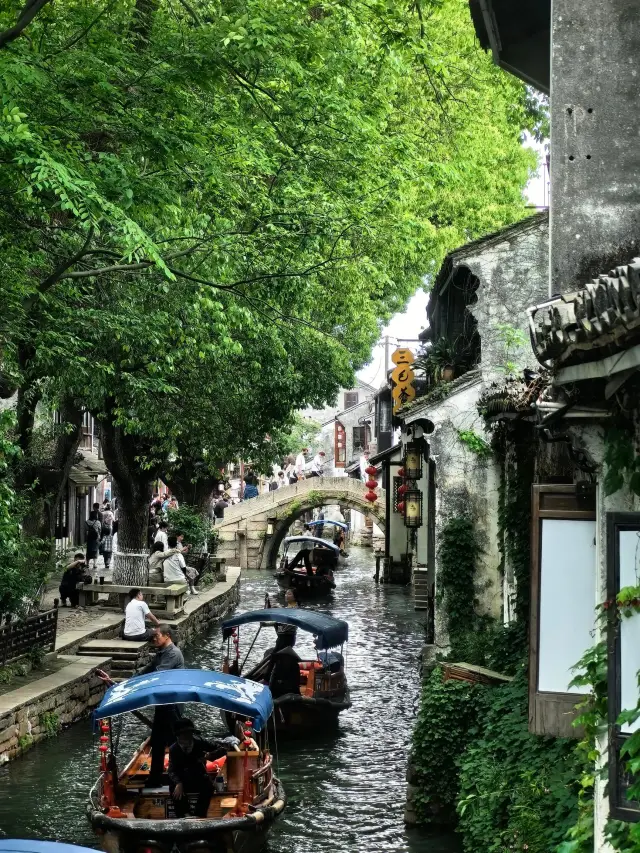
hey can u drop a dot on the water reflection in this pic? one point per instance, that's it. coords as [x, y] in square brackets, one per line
[346, 789]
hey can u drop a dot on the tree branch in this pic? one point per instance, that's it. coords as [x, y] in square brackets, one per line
[30, 10]
[59, 271]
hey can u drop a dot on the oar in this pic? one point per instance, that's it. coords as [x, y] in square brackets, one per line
[108, 680]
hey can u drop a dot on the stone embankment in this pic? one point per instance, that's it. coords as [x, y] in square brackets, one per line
[45, 705]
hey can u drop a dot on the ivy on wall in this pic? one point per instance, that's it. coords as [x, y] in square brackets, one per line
[475, 443]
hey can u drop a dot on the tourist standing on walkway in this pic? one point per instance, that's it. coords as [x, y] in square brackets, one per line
[317, 466]
[73, 575]
[162, 535]
[93, 529]
[300, 463]
[106, 546]
[135, 613]
[251, 487]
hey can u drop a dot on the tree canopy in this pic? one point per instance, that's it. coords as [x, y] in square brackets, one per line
[209, 208]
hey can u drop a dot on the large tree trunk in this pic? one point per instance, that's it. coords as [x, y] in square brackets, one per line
[133, 488]
[196, 494]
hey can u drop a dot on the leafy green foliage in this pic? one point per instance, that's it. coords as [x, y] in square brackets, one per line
[622, 463]
[190, 521]
[446, 723]
[517, 791]
[475, 443]
[456, 578]
[25, 561]
[50, 723]
[513, 342]
[208, 210]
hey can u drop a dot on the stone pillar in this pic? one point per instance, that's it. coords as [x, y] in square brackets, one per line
[595, 142]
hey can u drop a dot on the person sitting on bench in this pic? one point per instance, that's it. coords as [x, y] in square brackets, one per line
[136, 611]
[188, 770]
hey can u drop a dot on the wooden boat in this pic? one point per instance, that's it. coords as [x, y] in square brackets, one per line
[336, 532]
[324, 561]
[321, 692]
[130, 817]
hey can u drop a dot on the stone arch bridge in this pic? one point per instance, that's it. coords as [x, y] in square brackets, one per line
[244, 540]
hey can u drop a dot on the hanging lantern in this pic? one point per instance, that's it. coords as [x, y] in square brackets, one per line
[402, 489]
[413, 508]
[401, 472]
[371, 484]
[371, 470]
[401, 507]
[371, 496]
[412, 460]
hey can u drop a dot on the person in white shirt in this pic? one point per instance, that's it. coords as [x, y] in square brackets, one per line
[161, 535]
[135, 613]
[175, 569]
[317, 466]
[300, 463]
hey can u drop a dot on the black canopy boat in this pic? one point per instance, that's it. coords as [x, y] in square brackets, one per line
[307, 692]
[130, 817]
[335, 531]
[323, 560]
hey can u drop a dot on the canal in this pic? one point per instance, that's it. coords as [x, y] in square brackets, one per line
[346, 790]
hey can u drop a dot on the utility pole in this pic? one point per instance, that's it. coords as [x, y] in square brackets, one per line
[386, 356]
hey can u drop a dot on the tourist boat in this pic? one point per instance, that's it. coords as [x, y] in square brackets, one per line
[329, 530]
[322, 691]
[324, 560]
[128, 816]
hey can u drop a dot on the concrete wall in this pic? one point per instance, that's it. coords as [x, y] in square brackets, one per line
[595, 159]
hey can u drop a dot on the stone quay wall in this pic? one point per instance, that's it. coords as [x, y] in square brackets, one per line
[46, 706]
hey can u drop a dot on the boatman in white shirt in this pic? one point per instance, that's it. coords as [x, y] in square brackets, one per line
[135, 614]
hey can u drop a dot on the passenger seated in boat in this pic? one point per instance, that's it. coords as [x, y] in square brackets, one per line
[188, 771]
[283, 675]
[325, 562]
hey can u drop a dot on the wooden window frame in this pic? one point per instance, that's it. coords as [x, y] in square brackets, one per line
[550, 713]
[355, 394]
[619, 807]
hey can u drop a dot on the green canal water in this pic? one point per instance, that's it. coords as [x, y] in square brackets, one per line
[346, 789]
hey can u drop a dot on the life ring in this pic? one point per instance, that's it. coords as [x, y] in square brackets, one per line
[212, 766]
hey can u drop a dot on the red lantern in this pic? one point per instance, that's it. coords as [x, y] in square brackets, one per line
[400, 472]
[401, 507]
[371, 496]
[371, 484]
[402, 489]
[371, 469]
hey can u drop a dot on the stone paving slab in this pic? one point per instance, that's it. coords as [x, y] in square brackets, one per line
[114, 645]
[68, 639]
[77, 668]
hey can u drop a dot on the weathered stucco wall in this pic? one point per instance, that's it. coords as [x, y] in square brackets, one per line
[467, 484]
[513, 272]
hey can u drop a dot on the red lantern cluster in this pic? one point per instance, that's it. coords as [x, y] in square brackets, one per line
[371, 484]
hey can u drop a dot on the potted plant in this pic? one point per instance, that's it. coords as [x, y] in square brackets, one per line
[444, 360]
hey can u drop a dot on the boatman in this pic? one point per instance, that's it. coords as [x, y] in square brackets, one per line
[188, 770]
[168, 656]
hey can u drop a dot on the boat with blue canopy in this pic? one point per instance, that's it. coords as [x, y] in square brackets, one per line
[246, 798]
[307, 565]
[307, 692]
[27, 845]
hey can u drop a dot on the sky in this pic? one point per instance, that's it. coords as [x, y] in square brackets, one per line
[405, 327]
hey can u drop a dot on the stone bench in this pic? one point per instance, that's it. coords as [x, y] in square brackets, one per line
[219, 566]
[172, 593]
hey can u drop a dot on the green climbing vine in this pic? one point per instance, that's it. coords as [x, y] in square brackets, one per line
[621, 460]
[475, 443]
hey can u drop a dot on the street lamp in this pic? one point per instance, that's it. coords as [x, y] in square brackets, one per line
[413, 508]
[412, 460]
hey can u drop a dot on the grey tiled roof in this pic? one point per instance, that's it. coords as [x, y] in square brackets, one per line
[600, 318]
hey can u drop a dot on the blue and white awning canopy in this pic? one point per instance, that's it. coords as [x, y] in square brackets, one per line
[176, 686]
[329, 523]
[317, 543]
[329, 632]
[22, 845]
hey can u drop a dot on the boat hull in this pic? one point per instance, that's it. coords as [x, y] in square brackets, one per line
[303, 584]
[246, 834]
[294, 713]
